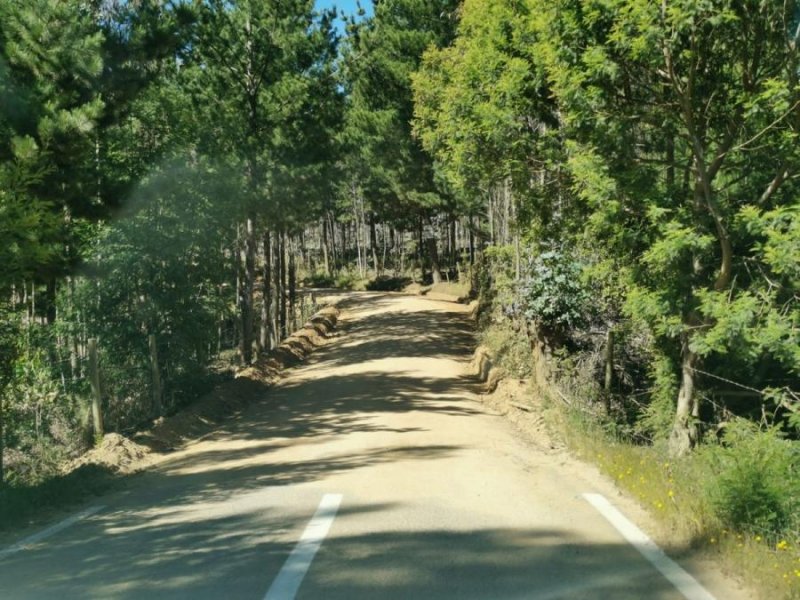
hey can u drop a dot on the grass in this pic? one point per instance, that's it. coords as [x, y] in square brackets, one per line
[22, 504]
[683, 495]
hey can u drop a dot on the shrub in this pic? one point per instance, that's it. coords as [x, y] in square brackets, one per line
[754, 487]
[552, 293]
[385, 283]
[319, 279]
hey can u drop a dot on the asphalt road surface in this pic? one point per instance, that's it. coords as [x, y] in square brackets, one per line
[372, 471]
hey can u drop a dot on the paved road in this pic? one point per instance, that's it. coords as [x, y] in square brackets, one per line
[439, 497]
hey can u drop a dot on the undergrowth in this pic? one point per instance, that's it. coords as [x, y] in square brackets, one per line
[737, 498]
[22, 502]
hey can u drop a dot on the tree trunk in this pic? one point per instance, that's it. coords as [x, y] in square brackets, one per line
[158, 407]
[304, 258]
[325, 260]
[334, 251]
[265, 336]
[246, 290]
[373, 243]
[453, 242]
[292, 288]
[421, 249]
[471, 240]
[685, 433]
[385, 248]
[492, 237]
[434, 255]
[277, 289]
[343, 250]
[402, 249]
[282, 298]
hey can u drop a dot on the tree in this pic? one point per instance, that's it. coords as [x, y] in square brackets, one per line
[249, 70]
[385, 163]
[677, 111]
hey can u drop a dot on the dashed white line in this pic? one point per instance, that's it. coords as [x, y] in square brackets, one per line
[38, 537]
[674, 573]
[294, 569]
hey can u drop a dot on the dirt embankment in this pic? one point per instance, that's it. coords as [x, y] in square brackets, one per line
[127, 455]
[514, 399]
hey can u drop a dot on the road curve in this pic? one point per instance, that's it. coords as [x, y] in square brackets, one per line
[429, 494]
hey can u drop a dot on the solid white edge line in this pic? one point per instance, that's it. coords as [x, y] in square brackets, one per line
[38, 537]
[296, 566]
[672, 571]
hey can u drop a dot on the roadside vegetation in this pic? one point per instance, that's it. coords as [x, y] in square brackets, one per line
[617, 182]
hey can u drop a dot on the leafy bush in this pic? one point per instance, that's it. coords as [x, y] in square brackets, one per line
[45, 423]
[755, 486]
[349, 280]
[384, 283]
[552, 293]
[319, 279]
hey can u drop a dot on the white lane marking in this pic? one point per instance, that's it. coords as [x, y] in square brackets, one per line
[294, 569]
[38, 537]
[675, 574]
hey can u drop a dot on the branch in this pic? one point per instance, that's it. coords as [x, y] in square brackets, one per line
[768, 127]
[773, 186]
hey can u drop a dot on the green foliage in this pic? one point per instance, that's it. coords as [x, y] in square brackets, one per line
[319, 279]
[496, 278]
[349, 279]
[386, 283]
[657, 417]
[384, 160]
[755, 487]
[25, 501]
[552, 292]
[156, 273]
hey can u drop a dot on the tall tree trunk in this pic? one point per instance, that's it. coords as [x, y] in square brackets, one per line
[373, 243]
[492, 237]
[276, 288]
[343, 252]
[265, 337]
[402, 250]
[292, 287]
[325, 260]
[282, 299]
[453, 242]
[246, 309]
[421, 248]
[506, 213]
[238, 269]
[385, 248]
[471, 240]
[334, 250]
[72, 336]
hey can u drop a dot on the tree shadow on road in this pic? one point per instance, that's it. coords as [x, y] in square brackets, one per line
[238, 553]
